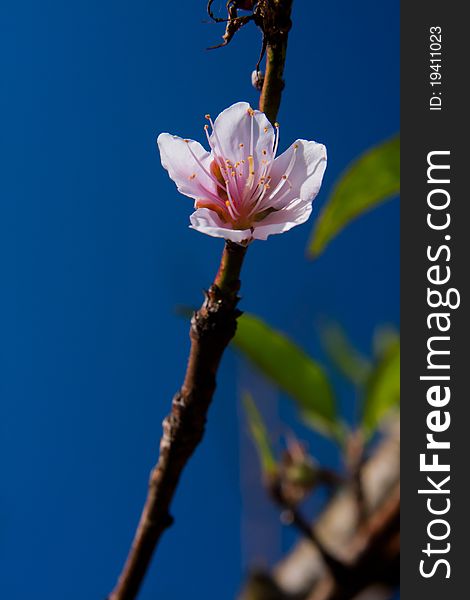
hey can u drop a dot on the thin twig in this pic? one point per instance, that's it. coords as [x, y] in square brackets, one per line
[374, 552]
[377, 557]
[337, 568]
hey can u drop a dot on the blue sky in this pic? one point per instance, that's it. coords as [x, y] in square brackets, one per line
[97, 253]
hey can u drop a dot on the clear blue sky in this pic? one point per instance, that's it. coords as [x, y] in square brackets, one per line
[96, 253]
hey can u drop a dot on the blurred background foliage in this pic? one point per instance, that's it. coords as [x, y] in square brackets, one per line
[292, 475]
[371, 179]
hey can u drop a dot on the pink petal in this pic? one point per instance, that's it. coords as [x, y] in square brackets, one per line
[233, 127]
[304, 180]
[282, 220]
[208, 222]
[190, 177]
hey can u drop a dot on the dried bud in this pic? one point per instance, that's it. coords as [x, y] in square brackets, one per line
[257, 79]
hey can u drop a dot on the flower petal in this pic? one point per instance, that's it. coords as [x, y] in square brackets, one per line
[208, 222]
[305, 176]
[282, 220]
[232, 130]
[189, 173]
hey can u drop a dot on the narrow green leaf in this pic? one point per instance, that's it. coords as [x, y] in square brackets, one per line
[371, 179]
[260, 435]
[383, 390]
[287, 366]
[385, 336]
[349, 361]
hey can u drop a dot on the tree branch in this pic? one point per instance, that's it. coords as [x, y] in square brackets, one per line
[212, 328]
[276, 34]
[337, 568]
[368, 548]
[378, 555]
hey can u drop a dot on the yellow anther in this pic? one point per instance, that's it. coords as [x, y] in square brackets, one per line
[193, 176]
[250, 111]
[241, 145]
[207, 117]
[251, 166]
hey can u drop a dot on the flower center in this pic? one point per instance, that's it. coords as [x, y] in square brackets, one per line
[242, 182]
[244, 191]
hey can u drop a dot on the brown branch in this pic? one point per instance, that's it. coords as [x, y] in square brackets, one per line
[276, 32]
[336, 567]
[369, 550]
[212, 328]
[375, 549]
[378, 555]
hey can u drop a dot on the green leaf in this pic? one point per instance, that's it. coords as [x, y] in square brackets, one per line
[260, 435]
[349, 361]
[385, 336]
[295, 373]
[383, 389]
[369, 180]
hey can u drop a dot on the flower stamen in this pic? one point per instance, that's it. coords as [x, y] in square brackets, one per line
[251, 172]
[200, 165]
[285, 177]
[251, 112]
[219, 157]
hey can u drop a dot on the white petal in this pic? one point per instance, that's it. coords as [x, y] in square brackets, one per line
[304, 180]
[208, 222]
[190, 177]
[280, 221]
[233, 127]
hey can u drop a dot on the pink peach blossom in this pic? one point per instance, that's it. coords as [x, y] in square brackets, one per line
[241, 190]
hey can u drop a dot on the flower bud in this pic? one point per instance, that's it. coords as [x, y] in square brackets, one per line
[257, 79]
